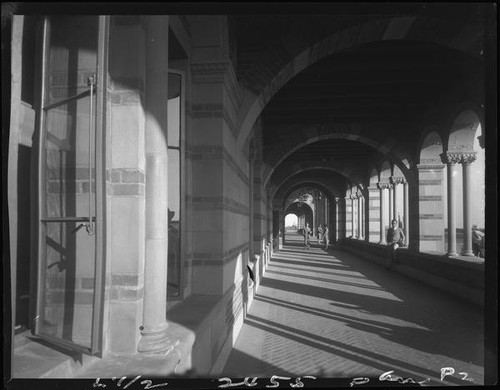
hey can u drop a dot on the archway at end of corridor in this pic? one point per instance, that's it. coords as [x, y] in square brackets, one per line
[305, 206]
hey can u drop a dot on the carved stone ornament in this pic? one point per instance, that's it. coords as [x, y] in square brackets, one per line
[384, 185]
[469, 157]
[397, 180]
[452, 157]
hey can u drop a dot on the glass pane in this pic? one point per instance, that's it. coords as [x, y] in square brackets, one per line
[67, 188]
[67, 257]
[72, 56]
[174, 109]
[68, 290]
[174, 237]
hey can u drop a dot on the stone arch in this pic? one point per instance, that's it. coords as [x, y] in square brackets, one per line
[431, 147]
[463, 131]
[295, 172]
[367, 141]
[385, 171]
[304, 214]
[466, 181]
[372, 31]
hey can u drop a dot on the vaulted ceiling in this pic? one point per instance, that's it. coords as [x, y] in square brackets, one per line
[383, 84]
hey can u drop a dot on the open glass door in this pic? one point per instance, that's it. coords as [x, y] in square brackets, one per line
[69, 279]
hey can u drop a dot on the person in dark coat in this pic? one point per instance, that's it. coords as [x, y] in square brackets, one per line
[395, 239]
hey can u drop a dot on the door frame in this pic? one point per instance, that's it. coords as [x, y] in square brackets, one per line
[37, 282]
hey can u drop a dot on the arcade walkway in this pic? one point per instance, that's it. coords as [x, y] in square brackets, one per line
[335, 315]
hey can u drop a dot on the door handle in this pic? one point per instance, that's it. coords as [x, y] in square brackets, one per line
[91, 82]
[87, 225]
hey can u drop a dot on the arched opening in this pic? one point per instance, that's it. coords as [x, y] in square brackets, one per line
[465, 159]
[291, 221]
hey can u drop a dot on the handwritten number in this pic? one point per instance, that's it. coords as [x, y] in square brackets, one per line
[466, 378]
[132, 381]
[97, 384]
[149, 385]
[252, 383]
[121, 380]
[359, 381]
[276, 383]
[227, 384]
[298, 383]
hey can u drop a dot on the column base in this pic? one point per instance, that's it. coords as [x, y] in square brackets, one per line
[467, 253]
[452, 254]
[155, 342]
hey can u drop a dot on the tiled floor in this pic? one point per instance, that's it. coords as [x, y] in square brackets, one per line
[334, 315]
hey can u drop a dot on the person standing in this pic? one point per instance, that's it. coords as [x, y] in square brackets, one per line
[395, 239]
[307, 233]
[320, 234]
[326, 235]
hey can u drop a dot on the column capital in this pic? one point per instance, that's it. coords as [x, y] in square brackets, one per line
[397, 180]
[384, 185]
[451, 157]
[373, 187]
[468, 157]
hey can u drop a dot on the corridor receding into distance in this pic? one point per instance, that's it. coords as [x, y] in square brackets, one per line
[331, 314]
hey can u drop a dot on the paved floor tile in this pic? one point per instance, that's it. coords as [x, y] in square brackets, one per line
[334, 315]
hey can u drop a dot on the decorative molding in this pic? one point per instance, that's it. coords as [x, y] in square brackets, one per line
[469, 158]
[397, 180]
[451, 158]
[422, 167]
[384, 185]
[459, 157]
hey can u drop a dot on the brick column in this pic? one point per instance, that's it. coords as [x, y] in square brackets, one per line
[373, 233]
[467, 160]
[451, 159]
[154, 328]
[431, 206]
[347, 215]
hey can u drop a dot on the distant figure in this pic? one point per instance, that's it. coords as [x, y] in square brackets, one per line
[395, 239]
[320, 234]
[477, 241]
[326, 235]
[307, 233]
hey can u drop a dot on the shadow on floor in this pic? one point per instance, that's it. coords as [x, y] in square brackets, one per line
[369, 358]
[424, 309]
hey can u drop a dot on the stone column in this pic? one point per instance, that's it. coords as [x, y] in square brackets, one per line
[405, 210]
[352, 216]
[347, 215]
[383, 194]
[360, 223]
[451, 159]
[337, 219]
[154, 329]
[391, 203]
[467, 159]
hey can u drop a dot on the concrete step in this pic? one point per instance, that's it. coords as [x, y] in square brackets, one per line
[33, 358]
